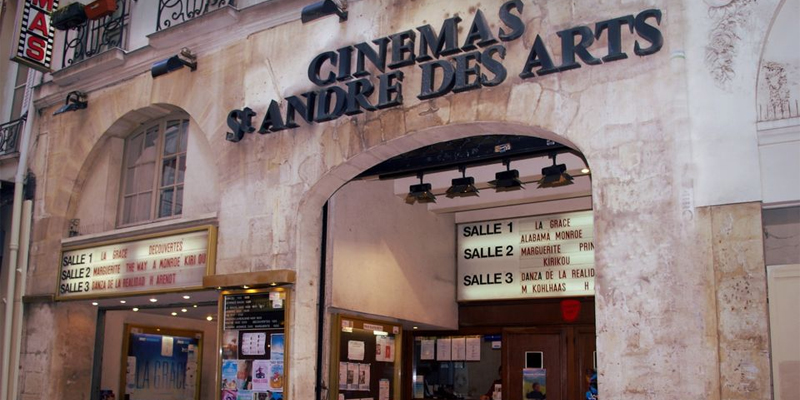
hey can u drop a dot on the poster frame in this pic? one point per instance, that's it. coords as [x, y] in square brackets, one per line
[127, 328]
[287, 322]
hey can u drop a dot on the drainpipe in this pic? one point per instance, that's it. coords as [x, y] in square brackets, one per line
[13, 246]
[19, 311]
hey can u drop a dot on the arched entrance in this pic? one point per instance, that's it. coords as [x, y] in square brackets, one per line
[381, 238]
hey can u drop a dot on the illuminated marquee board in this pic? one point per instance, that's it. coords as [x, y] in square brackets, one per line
[521, 258]
[175, 261]
[36, 33]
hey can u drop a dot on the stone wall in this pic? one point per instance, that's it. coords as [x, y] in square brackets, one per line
[741, 295]
[663, 266]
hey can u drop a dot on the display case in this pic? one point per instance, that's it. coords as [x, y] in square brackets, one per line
[253, 344]
[161, 363]
[365, 359]
[455, 366]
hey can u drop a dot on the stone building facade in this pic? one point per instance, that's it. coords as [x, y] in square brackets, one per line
[684, 157]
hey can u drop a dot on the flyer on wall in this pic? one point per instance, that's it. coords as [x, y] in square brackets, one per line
[355, 350]
[276, 376]
[342, 375]
[352, 372]
[229, 369]
[363, 376]
[276, 346]
[260, 375]
[428, 349]
[534, 382]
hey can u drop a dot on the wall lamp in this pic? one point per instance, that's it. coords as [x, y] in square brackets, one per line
[184, 59]
[508, 180]
[75, 101]
[420, 193]
[462, 187]
[555, 175]
[324, 8]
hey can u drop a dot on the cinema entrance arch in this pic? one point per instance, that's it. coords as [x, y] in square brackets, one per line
[477, 240]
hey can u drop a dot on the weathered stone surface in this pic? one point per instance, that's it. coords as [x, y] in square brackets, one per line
[680, 291]
[741, 292]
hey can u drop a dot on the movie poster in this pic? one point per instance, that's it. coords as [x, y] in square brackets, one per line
[534, 382]
[229, 372]
[160, 367]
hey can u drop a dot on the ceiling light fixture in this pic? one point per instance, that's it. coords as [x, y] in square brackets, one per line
[94, 303]
[554, 175]
[585, 170]
[462, 187]
[184, 310]
[420, 193]
[135, 309]
[209, 318]
[153, 300]
[174, 313]
[75, 101]
[123, 301]
[187, 297]
[323, 9]
[508, 180]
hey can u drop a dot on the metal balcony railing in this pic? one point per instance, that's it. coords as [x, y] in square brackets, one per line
[9, 136]
[174, 12]
[96, 36]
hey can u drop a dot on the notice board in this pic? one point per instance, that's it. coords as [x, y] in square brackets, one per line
[365, 359]
[253, 346]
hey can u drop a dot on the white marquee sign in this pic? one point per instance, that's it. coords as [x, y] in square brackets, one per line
[521, 258]
[175, 261]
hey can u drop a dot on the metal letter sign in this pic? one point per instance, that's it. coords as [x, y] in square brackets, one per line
[36, 33]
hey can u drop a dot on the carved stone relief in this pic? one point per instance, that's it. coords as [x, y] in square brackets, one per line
[730, 17]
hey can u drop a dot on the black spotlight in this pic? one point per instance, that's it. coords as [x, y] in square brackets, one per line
[508, 180]
[554, 175]
[420, 193]
[324, 8]
[75, 101]
[184, 59]
[462, 187]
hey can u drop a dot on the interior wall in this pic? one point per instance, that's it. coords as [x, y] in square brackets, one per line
[784, 280]
[115, 331]
[401, 251]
